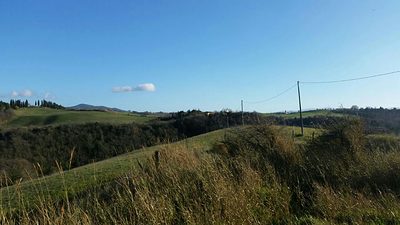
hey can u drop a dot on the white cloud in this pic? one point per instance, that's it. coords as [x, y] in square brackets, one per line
[145, 87]
[14, 94]
[122, 89]
[24, 93]
[49, 96]
[141, 87]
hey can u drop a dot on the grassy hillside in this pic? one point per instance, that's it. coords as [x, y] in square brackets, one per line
[81, 178]
[322, 113]
[45, 116]
[258, 175]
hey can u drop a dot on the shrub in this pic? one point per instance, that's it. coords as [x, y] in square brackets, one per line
[333, 156]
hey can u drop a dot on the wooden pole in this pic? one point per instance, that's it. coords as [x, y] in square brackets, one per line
[242, 113]
[301, 113]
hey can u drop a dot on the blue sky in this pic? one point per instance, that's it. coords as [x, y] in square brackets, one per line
[204, 55]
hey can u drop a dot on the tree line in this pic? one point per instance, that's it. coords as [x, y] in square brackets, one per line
[18, 103]
[377, 120]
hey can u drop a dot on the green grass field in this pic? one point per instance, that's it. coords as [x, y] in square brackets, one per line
[45, 116]
[305, 114]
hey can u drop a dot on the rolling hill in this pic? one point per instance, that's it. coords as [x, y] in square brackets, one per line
[93, 107]
[82, 178]
[26, 117]
[306, 114]
[79, 179]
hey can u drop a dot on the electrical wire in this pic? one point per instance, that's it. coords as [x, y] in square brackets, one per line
[323, 82]
[273, 97]
[352, 79]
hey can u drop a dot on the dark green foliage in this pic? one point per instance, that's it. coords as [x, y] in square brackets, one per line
[5, 113]
[87, 143]
[16, 169]
[4, 105]
[15, 104]
[312, 121]
[377, 120]
[49, 104]
[196, 122]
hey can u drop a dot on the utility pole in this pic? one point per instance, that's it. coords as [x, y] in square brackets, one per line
[227, 118]
[301, 113]
[242, 113]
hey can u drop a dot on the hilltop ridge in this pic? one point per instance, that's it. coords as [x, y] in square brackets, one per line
[89, 107]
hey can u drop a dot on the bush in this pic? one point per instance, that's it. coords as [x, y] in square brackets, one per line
[332, 157]
[273, 154]
[263, 146]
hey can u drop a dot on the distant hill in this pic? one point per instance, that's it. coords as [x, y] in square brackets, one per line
[92, 107]
[34, 116]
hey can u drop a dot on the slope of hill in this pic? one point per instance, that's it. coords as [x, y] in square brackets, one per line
[306, 114]
[84, 177]
[93, 107]
[81, 178]
[25, 117]
[377, 120]
[256, 176]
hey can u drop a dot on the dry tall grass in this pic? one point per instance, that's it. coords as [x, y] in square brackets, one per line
[183, 187]
[256, 176]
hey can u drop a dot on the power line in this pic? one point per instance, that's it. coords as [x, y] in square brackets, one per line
[322, 82]
[336, 81]
[315, 82]
[273, 97]
[352, 79]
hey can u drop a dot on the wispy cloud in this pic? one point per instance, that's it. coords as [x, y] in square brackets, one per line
[141, 87]
[49, 96]
[145, 87]
[14, 94]
[122, 89]
[24, 93]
